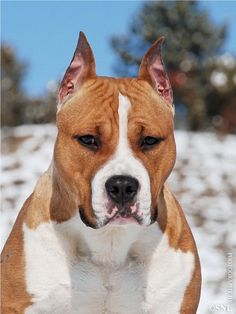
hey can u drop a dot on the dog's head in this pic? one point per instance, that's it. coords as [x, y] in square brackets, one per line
[115, 146]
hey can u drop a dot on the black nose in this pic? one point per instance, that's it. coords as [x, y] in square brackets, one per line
[122, 189]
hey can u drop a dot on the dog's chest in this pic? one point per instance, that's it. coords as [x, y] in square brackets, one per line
[100, 289]
[91, 289]
[62, 280]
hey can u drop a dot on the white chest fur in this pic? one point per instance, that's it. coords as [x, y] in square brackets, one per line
[115, 270]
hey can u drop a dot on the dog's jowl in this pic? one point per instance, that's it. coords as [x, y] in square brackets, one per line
[102, 233]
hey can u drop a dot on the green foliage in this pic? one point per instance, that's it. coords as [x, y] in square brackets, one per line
[192, 40]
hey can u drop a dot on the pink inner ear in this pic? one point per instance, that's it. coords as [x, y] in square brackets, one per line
[70, 80]
[70, 87]
[161, 81]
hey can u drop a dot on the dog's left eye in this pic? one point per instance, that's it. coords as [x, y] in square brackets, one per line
[149, 141]
[89, 141]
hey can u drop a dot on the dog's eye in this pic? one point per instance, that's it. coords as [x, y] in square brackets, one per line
[89, 141]
[149, 141]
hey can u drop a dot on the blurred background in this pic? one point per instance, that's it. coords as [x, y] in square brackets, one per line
[37, 43]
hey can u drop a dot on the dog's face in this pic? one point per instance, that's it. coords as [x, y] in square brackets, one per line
[115, 145]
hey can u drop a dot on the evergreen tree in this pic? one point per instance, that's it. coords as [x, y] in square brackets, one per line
[12, 95]
[16, 106]
[191, 41]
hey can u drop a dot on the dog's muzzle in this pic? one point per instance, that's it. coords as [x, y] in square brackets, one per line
[122, 191]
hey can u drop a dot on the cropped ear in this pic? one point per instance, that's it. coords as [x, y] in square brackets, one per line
[152, 70]
[82, 67]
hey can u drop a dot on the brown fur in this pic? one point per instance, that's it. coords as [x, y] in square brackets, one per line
[14, 297]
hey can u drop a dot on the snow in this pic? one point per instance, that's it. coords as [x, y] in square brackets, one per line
[204, 181]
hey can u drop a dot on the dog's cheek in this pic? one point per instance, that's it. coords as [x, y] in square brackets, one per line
[168, 158]
[159, 163]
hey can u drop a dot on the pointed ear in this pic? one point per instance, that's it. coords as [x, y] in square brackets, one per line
[82, 67]
[152, 70]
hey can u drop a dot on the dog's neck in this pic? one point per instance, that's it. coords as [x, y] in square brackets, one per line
[109, 245]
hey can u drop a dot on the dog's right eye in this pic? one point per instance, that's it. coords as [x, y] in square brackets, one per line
[88, 141]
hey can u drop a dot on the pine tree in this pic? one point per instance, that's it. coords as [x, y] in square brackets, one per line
[192, 39]
[16, 106]
[13, 98]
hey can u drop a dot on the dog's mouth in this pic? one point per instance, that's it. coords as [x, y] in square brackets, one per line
[118, 215]
[122, 215]
[123, 219]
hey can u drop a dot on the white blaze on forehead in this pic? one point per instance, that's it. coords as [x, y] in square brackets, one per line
[124, 107]
[123, 162]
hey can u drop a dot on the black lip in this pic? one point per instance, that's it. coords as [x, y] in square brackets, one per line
[85, 219]
[154, 215]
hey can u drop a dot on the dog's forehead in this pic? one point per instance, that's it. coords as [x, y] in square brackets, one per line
[146, 104]
[98, 100]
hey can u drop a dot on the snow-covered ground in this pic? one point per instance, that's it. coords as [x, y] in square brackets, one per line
[204, 181]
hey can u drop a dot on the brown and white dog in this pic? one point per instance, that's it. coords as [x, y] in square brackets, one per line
[101, 232]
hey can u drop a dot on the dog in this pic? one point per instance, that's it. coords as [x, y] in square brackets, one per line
[102, 233]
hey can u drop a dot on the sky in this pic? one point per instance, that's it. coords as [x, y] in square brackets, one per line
[45, 33]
